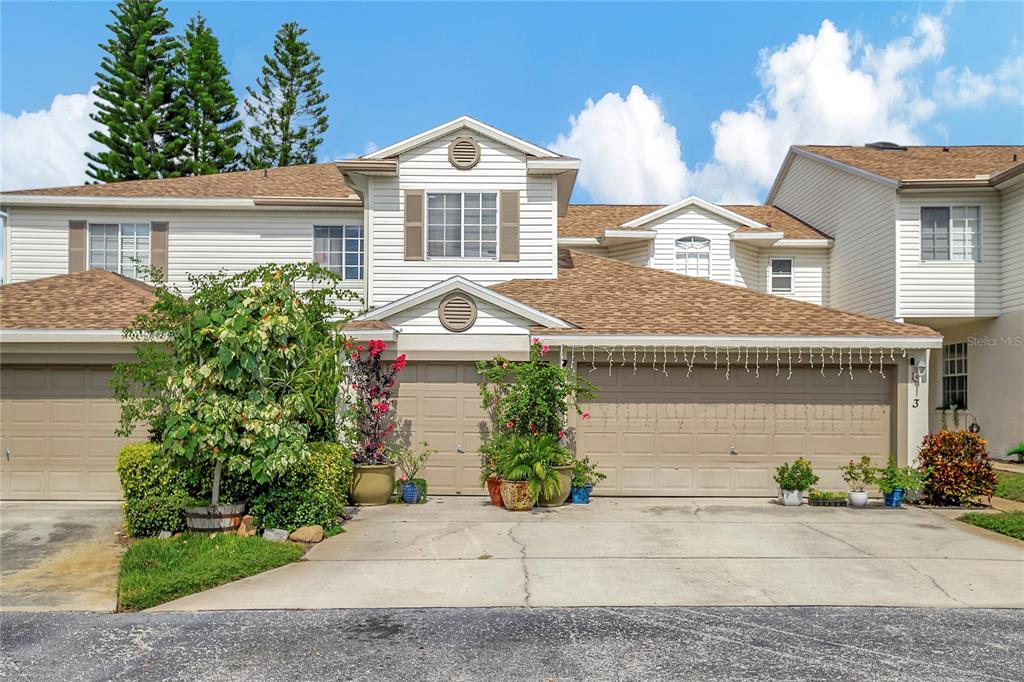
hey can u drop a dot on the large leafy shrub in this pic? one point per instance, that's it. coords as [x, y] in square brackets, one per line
[240, 374]
[796, 476]
[957, 466]
[313, 491]
[372, 381]
[530, 458]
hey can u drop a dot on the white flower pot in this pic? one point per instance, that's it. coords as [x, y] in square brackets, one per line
[857, 499]
[792, 498]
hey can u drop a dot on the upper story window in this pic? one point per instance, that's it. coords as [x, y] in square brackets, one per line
[340, 249]
[462, 225]
[780, 276]
[951, 233]
[693, 256]
[954, 375]
[119, 247]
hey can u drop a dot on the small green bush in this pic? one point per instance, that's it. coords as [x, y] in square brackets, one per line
[312, 492]
[147, 516]
[141, 476]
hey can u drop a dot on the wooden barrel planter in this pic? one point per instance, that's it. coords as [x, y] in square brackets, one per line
[223, 517]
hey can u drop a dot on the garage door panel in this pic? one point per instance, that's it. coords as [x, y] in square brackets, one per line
[691, 424]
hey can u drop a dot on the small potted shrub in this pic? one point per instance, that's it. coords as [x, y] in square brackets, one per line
[793, 479]
[858, 475]
[524, 471]
[410, 461]
[560, 461]
[584, 477]
[489, 477]
[894, 481]
[373, 383]
[826, 498]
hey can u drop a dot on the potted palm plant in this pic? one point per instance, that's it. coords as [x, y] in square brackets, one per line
[894, 481]
[523, 467]
[584, 477]
[373, 383]
[561, 463]
[793, 479]
[410, 461]
[858, 475]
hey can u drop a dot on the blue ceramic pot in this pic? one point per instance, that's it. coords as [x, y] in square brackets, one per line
[411, 493]
[581, 495]
[894, 499]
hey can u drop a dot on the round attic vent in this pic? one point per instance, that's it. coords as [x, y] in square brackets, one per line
[457, 312]
[464, 153]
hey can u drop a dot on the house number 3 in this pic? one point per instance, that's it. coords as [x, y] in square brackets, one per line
[917, 401]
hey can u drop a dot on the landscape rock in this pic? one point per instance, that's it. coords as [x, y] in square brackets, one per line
[164, 535]
[247, 528]
[307, 534]
[275, 534]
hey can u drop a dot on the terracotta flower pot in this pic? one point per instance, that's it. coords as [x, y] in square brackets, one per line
[494, 491]
[516, 495]
[372, 484]
[564, 474]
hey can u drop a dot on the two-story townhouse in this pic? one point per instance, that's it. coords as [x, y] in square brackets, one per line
[931, 236]
[705, 327]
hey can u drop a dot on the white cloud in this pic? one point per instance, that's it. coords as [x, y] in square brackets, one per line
[630, 152]
[826, 88]
[47, 148]
[965, 88]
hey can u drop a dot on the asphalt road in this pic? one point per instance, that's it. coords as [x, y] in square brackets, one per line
[751, 643]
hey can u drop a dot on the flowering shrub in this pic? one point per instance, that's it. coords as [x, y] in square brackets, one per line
[958, 468]
[532, 397]
[373, 382]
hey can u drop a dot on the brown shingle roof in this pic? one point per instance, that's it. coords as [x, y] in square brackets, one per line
[94, 299]
[319, 180]
[605, 296]
[591, 220]
[925, 163]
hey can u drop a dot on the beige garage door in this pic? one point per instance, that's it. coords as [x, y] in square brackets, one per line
[58, 424]
[658, 435]
[439, 402]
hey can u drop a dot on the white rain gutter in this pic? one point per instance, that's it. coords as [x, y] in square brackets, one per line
[610, 340]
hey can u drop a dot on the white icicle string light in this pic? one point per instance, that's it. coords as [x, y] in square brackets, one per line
[823, 361]
[705, 349]
[746, 359]
[716, 357]
[881, 367]
[727, 364]
[664, 361]
[636, 354]
[757, 362]
[870, 371]
[593, 359]
[778, 352]
[840, 372]
[790, 375]
[689, 361]
[611, 349]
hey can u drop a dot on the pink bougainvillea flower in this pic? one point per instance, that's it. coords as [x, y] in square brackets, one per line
[585, 416]
[561, 434]
[509, 425]
[359, 347]
[535, 340]
[544, 349]
[399, 363]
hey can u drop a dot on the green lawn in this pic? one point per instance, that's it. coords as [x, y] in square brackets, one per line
[1010, 486]
[155, 571]
[1007, 523]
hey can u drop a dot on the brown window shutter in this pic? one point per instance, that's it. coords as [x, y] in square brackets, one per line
[158, 248]
[508, 249]
[78, 235]
[413, 224]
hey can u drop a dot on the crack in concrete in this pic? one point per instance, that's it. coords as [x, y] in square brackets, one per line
[526, 569]
[937, 586]
[855, 548]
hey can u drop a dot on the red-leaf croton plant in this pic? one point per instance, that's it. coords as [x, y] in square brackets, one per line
[373, 384]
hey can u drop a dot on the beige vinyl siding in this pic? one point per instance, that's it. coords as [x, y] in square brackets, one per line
[427, 168]
[860, 214]
[948, 288]
[1013, 248]
[490, 319]
[694, 222]
[198, 241]
[637, 253]
[748, 269]
[810, 273]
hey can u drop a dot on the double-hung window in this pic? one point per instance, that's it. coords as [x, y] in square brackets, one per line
[462, 224]
[951, 233]
[693, 256]
[780, 277]
[954, 375]
[340, 249]
[119, 247]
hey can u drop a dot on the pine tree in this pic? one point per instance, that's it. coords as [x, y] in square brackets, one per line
[288, 109]
[209, 108]
[137, 91]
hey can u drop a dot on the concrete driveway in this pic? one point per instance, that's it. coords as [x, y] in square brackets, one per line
[639, 552]
[59, 556]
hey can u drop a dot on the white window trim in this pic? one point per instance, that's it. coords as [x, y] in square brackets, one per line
[950, 375]
[342, 225]
[792, 275]
[120, 224]
[705, 251]
[462, 233]
[950, 207]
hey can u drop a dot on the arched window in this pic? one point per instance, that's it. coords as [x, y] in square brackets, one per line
[693, 256]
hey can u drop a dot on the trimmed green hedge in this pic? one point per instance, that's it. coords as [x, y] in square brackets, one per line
[313, 492]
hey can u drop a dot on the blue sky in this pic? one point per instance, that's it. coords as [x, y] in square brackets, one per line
[394, 69]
